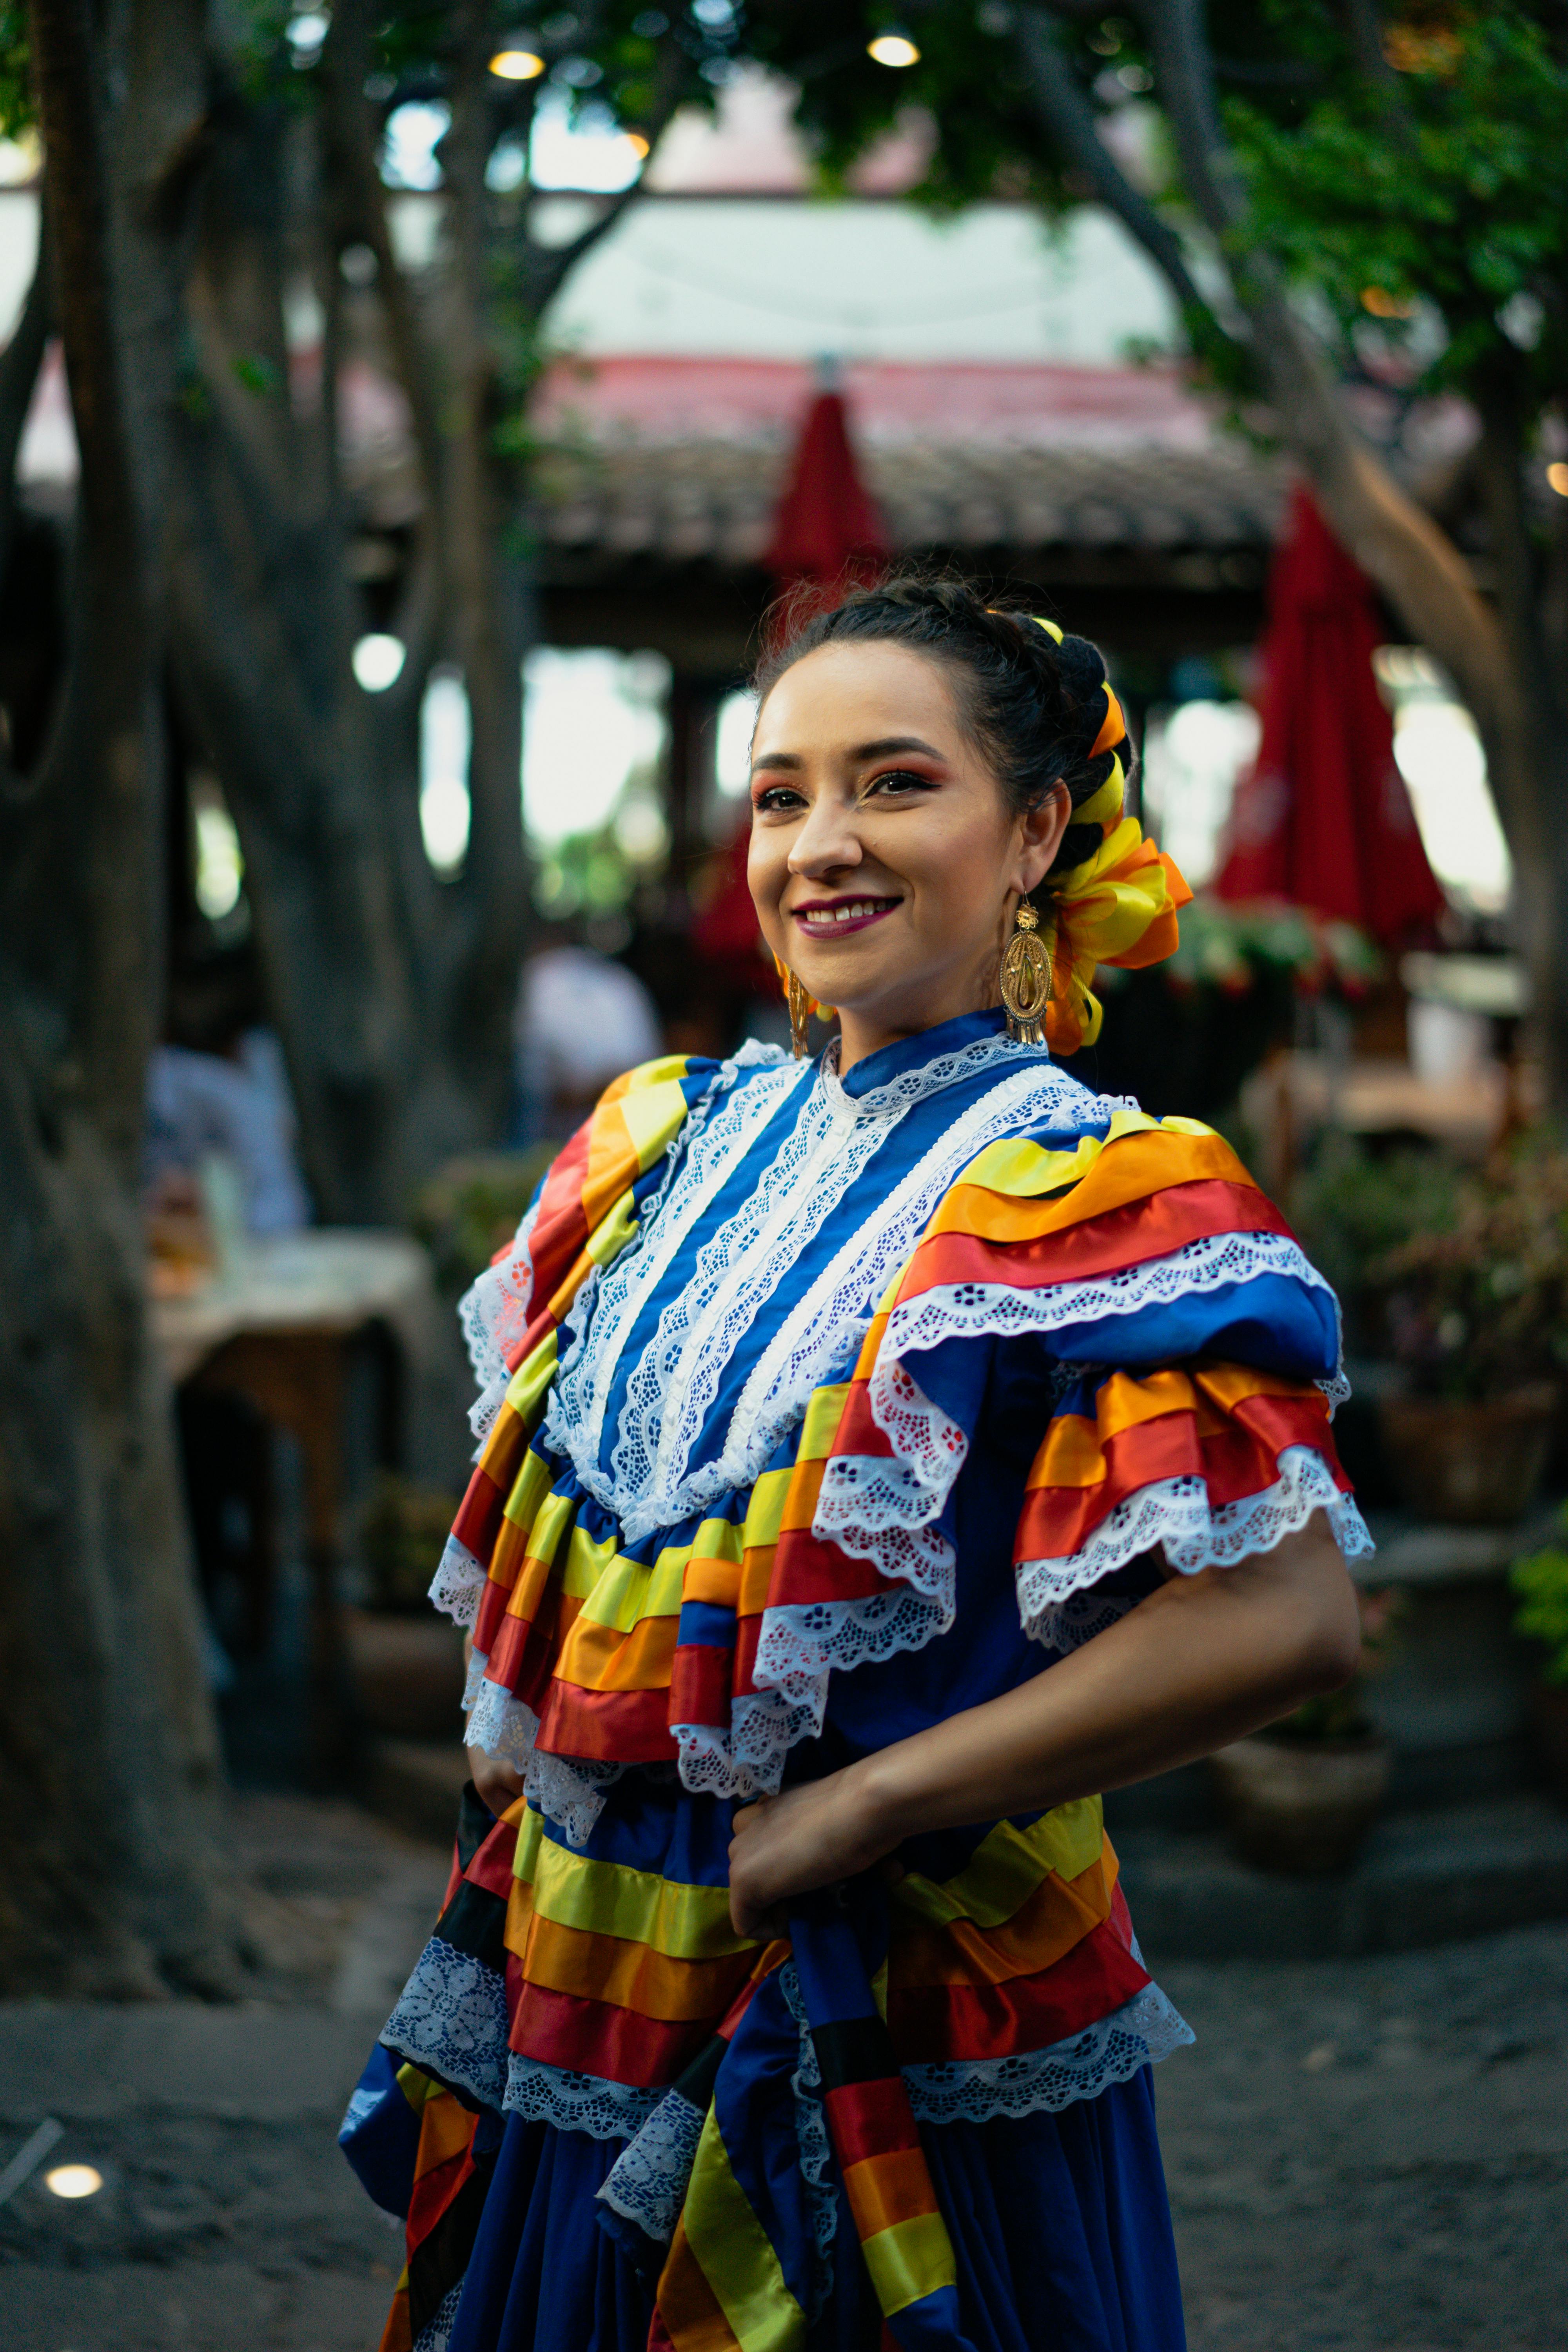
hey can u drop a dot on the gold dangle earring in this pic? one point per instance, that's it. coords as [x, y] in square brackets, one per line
[1025, 979]
[799, 1016]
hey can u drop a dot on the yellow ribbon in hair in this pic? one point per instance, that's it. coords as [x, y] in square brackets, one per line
[1119, 906]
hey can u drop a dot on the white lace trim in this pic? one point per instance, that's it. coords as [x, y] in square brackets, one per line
[647, 2183]
[493, 1312]
[583, 2103]
[1065, 1625]
[876, 1509]
[567, 1791]
[1034, 2082]
[820, 1335]
[450, 2019]
[457, 1587]
[1176, 1515]
[816, 2143]
[709, 1151]
[437, 2334]
[982, 1309]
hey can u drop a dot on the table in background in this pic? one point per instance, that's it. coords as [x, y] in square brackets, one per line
[277, 1330]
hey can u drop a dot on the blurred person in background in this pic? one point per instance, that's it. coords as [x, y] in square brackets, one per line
[883, 1452]
[581, 1020]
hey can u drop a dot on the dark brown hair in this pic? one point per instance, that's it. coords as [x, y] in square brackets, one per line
[1036, 708]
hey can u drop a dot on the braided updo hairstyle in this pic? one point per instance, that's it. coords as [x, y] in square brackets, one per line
[1036, 708]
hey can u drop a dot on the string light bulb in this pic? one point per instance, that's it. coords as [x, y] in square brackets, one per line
[893, 49]
[1557, 475]
[516, 65]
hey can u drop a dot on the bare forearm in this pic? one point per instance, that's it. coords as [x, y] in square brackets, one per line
[1202, 1661]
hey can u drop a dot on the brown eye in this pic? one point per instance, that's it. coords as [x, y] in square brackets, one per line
[901, 779]
[778, 799]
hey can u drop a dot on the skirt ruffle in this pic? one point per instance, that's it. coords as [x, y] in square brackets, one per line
[1061, 2224]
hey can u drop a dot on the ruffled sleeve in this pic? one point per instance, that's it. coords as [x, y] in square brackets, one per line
[1188, 1358]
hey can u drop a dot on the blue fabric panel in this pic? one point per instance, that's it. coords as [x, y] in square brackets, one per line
[658, 1826]
[380, 2135]
[1060, 2222]
[708, 1624]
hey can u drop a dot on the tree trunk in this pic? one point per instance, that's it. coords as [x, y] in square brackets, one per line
[111, 1876]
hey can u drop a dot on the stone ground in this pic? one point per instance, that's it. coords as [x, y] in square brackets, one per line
[1365, 2156]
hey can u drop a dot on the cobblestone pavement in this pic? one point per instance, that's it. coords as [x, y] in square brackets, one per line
[1365, 2156]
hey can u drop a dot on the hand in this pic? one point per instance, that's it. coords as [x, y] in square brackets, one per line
[498, 1783]
[814, 1835]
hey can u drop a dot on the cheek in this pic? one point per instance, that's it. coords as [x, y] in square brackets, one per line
[767, 869]
[957, 870]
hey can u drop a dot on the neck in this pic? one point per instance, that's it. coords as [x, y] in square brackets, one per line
[866, 1029]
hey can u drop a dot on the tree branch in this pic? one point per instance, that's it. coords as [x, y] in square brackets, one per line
[1416, 564]
[1068, 119]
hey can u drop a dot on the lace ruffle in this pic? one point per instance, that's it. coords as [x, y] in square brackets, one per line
[1140, 2033]
[494, 1310]
[816, 2145]
[709, 1148]
[568, 1790]
[739, 1267]
[457, 1587]
[450, 2019]
[1176, 1514]
[647, 2183]
[581, 2102]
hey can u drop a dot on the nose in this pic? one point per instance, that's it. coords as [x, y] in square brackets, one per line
[827, 841]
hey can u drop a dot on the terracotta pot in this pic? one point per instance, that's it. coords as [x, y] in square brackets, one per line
[1471, 1464]
[1549, 1735]
[1301, 1805]
[408, 1673]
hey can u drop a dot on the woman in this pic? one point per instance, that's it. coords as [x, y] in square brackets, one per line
[881, 1457]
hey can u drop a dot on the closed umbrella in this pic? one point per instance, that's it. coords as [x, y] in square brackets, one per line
[827, 529]
[1324, 820]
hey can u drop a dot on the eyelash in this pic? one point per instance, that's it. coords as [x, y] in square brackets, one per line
[781, 796]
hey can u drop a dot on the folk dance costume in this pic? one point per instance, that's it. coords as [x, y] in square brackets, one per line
[815, 1411]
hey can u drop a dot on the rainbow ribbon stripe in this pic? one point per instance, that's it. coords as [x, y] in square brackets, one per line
[613, 1958]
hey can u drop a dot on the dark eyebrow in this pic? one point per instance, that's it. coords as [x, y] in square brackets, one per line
[884, 746]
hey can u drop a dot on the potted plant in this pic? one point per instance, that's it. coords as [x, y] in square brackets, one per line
[1301, 1795]
[407, 1662]
[1542, 1583]
[1476, 1312]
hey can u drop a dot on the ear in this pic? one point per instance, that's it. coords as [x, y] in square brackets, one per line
[1041, 832]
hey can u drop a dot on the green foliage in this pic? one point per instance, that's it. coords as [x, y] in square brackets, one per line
[1541, 1584]
[473, 1207]
[1353, 1208]
[403, 1532]
[1449, 204]
[17, 109]
[1481, 1308]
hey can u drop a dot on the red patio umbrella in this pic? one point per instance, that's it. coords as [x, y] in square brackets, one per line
[1324, 819]
[827, 529]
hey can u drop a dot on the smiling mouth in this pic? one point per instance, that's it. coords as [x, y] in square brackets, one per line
[833, 919]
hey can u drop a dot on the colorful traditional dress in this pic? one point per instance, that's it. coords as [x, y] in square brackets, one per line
[814, 1411]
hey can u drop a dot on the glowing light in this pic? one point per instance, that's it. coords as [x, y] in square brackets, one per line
[516, 65]
[893, 49]
[1557, 475]
[73, 2181]
[636, 143]
[378, 661]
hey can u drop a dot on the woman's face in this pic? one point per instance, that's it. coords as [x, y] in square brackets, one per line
[885, 862]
